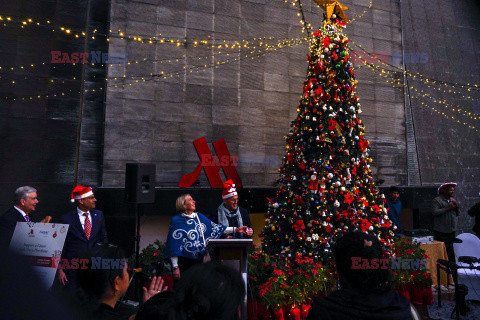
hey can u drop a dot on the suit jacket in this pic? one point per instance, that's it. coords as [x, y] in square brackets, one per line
[76, 243]
[8, 222]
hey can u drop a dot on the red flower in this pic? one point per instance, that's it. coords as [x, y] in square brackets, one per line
[326, 41]
[348, 198]
[332, 124]
[277, 272]
[155, 254]
[298, 226]
[386, 224]
[299, 200]
[317, 33]
[363, 144]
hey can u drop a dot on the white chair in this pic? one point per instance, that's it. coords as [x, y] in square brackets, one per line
[471, 278]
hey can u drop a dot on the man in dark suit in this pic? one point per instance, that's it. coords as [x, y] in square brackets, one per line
[86, 229]
[24, 204]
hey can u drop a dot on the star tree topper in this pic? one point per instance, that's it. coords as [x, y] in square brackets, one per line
[331, 7]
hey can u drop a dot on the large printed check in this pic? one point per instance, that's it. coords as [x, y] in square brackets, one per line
[42, 243]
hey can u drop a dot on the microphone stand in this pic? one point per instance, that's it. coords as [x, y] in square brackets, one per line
[449, 269]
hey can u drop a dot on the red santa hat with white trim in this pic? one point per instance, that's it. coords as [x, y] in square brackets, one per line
[446, 185]
[229, 189]
[80, 192]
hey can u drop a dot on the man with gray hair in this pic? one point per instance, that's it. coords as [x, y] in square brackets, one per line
[25, 202]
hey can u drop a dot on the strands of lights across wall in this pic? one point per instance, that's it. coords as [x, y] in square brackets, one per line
[7, 20]
[159, 39]
[399, 83]
[424, 79]
[392, 74]
[457, 109]
[249, 55]
[46, 96]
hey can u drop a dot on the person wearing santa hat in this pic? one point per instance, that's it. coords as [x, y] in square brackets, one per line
[229, 213]
[86, 229]
[188, 235]
[445, 212]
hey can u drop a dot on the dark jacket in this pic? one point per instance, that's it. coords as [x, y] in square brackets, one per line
[76, 243]
[8, 222]
[352, 305]
[475, 212]
[232, 222]
[443, 220]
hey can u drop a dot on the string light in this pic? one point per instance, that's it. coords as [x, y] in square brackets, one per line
[46, 96]
[27, 22]
[457, 109]
[419, 76]
[250, 55]
[360, 16]
[232, 44]
[401, 84]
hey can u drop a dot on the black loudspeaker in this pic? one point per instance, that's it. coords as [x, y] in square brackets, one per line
[140, 183]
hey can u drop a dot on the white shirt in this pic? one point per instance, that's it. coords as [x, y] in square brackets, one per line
[81, 216]
[21, 211]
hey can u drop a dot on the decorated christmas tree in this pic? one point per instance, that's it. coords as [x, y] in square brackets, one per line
[326, 187]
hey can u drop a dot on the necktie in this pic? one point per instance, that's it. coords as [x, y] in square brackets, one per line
[87, 226]
[27, 218]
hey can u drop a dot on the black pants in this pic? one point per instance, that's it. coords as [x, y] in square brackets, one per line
[446, 238]
[184, 264]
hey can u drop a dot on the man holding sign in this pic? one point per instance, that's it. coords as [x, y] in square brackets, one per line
[22, 211]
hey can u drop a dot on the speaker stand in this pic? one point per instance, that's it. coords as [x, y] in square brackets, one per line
[138, 211]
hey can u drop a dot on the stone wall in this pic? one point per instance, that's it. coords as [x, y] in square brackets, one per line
[447, 33]
[249, 101]
[39, 100]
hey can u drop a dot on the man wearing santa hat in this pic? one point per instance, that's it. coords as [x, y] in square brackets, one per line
[86, 229]
[229, 213]
[445, 212]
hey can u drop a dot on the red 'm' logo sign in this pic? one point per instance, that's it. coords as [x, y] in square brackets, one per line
[212, 164]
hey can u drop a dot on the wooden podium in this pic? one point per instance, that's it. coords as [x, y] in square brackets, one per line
[234, 254]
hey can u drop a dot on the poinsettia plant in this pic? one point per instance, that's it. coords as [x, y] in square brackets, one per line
[151, 258]
[415, 270]
[307, 279]
[278, 281]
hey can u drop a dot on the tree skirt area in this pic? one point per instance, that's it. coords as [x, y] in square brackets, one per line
[445, 311]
